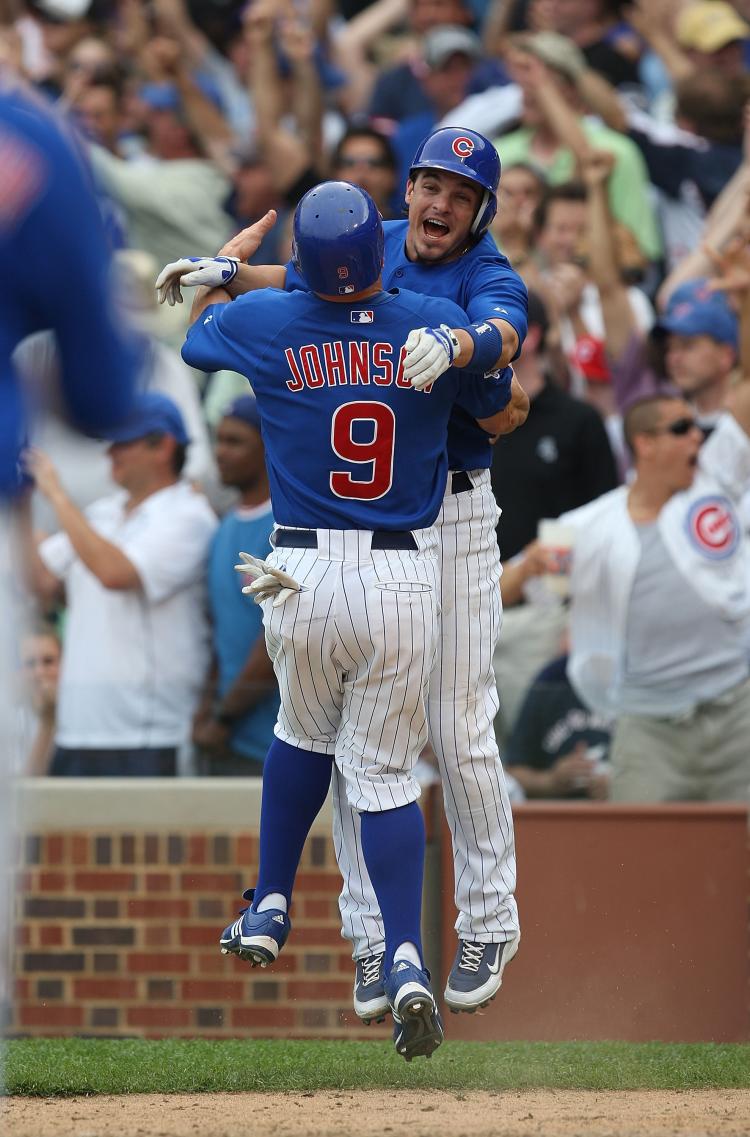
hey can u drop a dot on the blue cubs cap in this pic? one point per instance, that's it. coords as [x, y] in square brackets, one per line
[245, 408]
[152, 413]
[693, 310]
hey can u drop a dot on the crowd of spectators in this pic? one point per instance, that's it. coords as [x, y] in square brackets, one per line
[624, 136]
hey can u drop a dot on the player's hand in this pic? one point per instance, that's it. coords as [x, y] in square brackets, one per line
[246, 243]
[429, 352]
[267, 581]
[194, 272]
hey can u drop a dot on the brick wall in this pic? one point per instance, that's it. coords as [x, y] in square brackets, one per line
[118, 935]
[118, 925]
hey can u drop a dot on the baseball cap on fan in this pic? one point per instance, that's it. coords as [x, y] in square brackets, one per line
[709, 25]
[441, 43]
[152, 413]
[245, 408]
[693, 310]
[62, 10]
[558, 52]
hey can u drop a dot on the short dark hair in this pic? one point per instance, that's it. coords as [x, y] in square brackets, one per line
[642, 416]
[568, 191]
[179, 454]
[112, 79]
[713, 103]
[387, 153]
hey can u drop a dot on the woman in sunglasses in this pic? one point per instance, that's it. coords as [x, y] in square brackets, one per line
[660, 589]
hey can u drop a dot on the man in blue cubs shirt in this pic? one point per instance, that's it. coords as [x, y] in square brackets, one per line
[357, 463]
[442, 250]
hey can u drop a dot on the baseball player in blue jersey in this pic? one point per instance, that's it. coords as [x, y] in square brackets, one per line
[442, 250]
[357, 465]
[51, 235]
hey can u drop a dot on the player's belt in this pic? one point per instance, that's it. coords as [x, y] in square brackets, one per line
[308, 539]
[460, 482]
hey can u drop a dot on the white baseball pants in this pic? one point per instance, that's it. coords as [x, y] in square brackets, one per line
[463, 702]
[352, 652]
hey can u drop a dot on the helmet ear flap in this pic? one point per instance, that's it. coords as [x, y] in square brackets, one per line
[478, 225]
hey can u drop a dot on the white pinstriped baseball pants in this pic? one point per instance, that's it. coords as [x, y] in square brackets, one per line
[352, 652]
[462, 706]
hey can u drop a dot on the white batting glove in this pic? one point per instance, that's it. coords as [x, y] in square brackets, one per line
[268, 581]
[192, 272]
[429, 352]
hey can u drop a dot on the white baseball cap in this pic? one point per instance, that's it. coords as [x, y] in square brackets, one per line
[63, 10]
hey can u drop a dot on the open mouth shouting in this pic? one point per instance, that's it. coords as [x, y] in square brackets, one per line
[434, 229]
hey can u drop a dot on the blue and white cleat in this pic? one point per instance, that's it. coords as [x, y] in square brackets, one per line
[477, 974]
[257, 937]
[417, 1026]
[370, 999]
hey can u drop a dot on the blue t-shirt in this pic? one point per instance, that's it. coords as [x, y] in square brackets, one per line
[481, 282]
[237, 621]
[341, 425]
[52, 235]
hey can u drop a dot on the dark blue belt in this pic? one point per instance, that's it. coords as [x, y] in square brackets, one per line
[460, 482]
[308, 539]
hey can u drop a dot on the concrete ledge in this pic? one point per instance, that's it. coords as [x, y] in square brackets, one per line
[45, 804]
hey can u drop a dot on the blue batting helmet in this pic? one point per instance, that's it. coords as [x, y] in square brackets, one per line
[469, 154]
[338, 239]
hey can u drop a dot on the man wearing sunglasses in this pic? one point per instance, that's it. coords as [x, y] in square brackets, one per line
[660, 590]
[366, 158]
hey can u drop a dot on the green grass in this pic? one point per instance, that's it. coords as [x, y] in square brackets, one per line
[94, 1066]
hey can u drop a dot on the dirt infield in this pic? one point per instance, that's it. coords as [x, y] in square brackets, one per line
[539, 1113]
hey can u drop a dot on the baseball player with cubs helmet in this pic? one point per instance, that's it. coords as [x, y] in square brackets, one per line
[358, 465]
[442, 250]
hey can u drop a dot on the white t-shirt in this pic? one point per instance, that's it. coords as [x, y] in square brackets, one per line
[134, 660]
[671, 664]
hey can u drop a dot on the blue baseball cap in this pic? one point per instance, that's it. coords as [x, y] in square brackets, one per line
[152, 413]
[245, 408]
[164, 95]
[693, 310]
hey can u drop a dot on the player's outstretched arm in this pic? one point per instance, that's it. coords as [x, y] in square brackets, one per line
[485, 347]
[476, 346]
[226, 269]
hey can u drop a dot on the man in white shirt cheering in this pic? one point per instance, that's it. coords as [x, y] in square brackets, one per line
[136, 640]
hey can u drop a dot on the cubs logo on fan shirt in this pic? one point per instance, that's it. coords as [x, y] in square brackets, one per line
[713, 527]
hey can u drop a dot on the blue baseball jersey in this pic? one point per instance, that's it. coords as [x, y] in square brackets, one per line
[350, 444]
[483, 283]
[51, 233]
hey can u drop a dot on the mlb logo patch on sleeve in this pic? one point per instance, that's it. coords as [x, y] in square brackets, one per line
[359, 317]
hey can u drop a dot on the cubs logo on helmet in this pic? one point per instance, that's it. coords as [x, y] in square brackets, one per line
[713, 527]
[462, 146]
